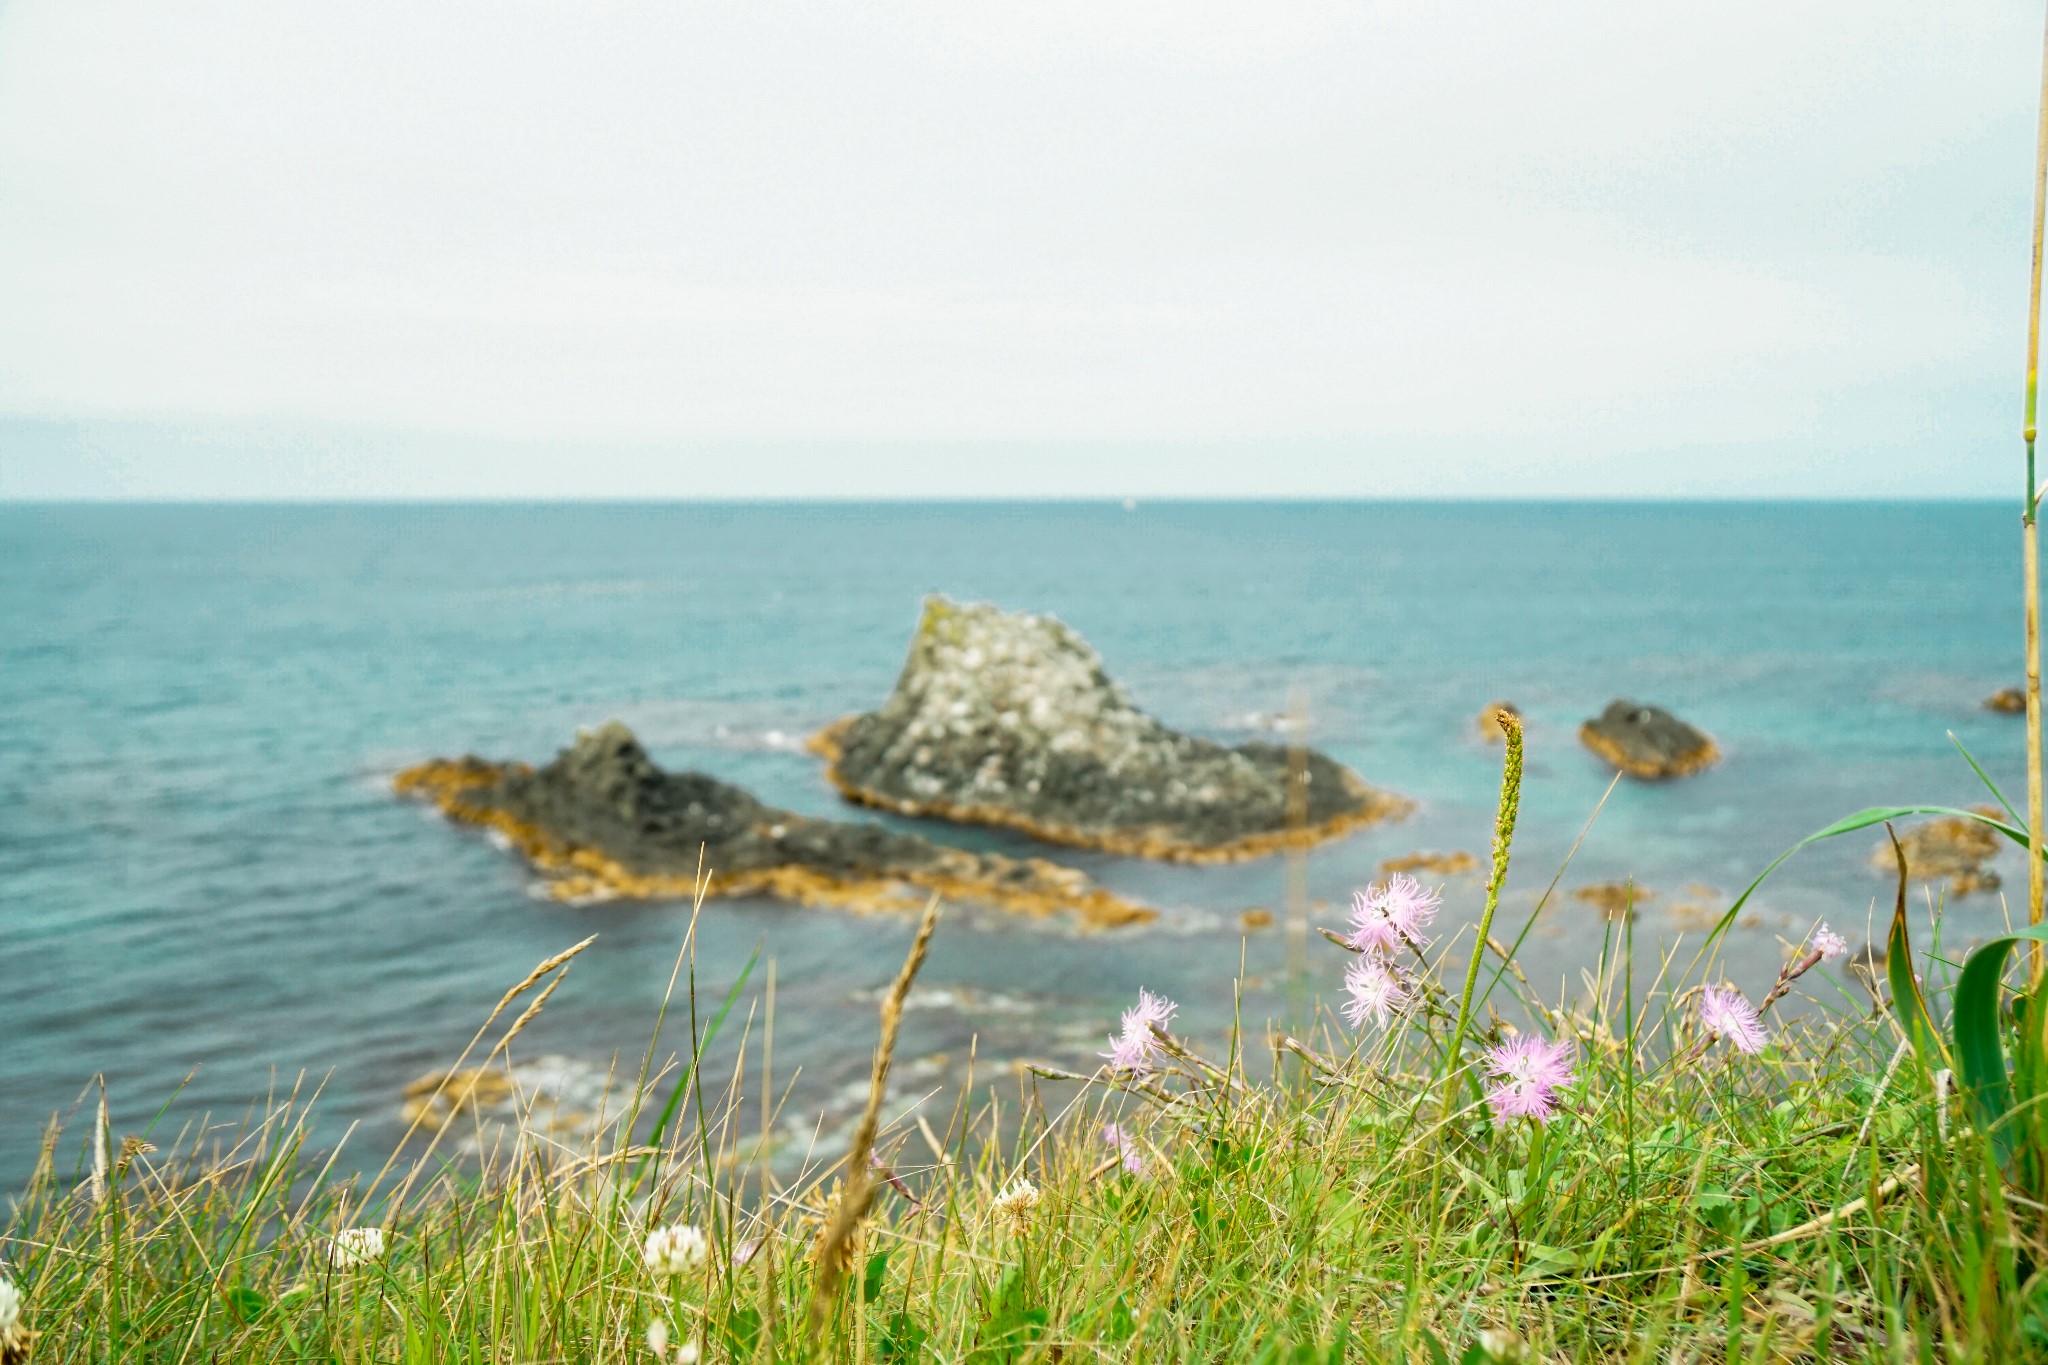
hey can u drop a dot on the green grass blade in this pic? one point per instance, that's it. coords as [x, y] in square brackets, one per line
[682, 1085]
[1849, 824]
[1985, 778]
[1907, 1001]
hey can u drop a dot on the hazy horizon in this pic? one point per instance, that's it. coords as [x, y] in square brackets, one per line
[1080, 250]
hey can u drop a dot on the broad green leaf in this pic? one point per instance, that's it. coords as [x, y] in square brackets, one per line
[1979, 1038]
[742, 1330]
[244, 1304]
[875, 1277]
[902, 1340]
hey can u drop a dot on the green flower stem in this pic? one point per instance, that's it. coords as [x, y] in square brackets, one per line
[1503, 837]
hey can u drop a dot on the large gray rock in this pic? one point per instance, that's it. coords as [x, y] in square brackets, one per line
[1647, 741]
[602, 820]
[1002, 719]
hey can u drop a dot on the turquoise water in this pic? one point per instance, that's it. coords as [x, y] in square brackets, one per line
[201, 865]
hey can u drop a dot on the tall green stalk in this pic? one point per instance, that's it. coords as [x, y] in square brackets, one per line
[2029, 536]
[1503, 837]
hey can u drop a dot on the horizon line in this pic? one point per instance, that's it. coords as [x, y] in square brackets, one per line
[1128, 501]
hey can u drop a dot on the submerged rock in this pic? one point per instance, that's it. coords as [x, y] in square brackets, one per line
[1647, 741]
[557, 1106]
[1009, 720]
[2007, 701]
[602, 820]
[1615, 901]
[1950, 848]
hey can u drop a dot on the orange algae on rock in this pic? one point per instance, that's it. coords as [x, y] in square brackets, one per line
[1453, 864]
[603, 821]
[1009, 720]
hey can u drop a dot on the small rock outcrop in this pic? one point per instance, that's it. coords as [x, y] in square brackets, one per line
[1616, 901]
[1010, 720]
[2007, 701]
[602, 820]
[1648, 742]
[1949, 849]
[555, 1107]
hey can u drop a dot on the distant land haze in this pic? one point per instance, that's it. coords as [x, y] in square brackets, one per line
[65, 460]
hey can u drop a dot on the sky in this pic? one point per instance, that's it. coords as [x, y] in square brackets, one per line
[523, 250]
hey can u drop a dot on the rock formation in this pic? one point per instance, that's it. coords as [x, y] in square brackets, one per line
[1009, 720]
[602, 820]
[1949, 848]
[1647, 741]
[2007, 701]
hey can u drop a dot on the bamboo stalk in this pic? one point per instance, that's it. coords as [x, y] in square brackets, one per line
[2029, 535]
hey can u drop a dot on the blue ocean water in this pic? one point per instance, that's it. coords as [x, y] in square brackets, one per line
[203, 872]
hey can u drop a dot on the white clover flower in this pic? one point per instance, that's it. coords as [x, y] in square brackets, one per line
[676, 1249]
[657, 1342]
[1014, 1204]
[356, 1247]
[10, 1307]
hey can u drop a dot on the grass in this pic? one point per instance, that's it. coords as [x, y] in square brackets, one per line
[1824, 1199]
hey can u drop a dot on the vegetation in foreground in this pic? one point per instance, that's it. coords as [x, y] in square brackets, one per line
[1454, 1171]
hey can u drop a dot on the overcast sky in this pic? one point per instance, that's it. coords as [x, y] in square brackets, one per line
[251, 249]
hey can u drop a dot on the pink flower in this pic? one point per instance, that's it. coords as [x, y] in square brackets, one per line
[1375, 991]
[1828, 943]
[1131, 1052]
[1150, 1009]
[1387, 917]
[1126, 1147]
[1135, 1049]
[1528, 1072]
[1725, 1014]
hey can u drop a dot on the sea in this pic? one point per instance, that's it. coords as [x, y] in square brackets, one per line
[209, 894]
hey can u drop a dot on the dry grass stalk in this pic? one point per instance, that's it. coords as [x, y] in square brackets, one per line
[428, 1104]
[531, 1013]
[858, 1187]
[536, 974]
